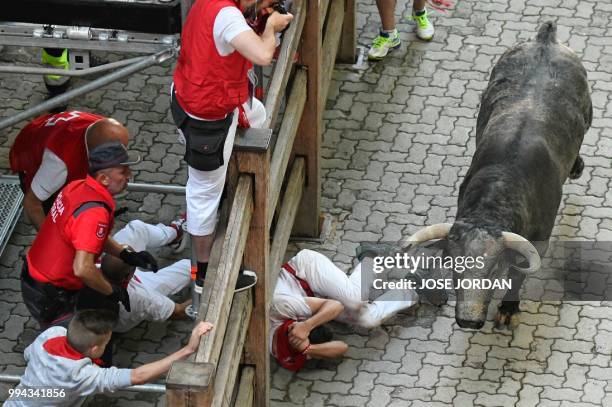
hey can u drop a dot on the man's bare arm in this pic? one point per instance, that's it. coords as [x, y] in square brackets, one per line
[260, 49]
[85, 269]
[323, 310]
[328, 350]
[34, 209]
[153, 370]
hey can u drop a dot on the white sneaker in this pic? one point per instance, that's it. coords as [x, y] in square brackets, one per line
[383, 44]
[424, 28]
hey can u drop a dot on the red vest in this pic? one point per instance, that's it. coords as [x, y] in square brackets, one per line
[207, 84]
[63, 134]
[50, 259]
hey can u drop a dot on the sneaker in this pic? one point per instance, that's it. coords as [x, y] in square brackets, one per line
[180, 240]
[56, 83]
[424, 28]
[382, 44]
[246, 280]
[191, 313]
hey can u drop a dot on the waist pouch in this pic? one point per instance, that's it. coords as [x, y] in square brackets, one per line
[204, 139]
[45, 301]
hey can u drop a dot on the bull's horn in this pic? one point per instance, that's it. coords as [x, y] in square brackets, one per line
[524, 247]
[438, 231]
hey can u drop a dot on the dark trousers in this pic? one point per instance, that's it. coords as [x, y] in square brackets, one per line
[49, 305]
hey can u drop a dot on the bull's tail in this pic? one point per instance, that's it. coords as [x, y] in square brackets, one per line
[547, 33]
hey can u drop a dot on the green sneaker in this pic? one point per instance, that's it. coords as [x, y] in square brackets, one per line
[383, 44]
[424, 29]
[56, 83]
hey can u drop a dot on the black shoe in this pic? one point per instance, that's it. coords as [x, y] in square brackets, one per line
[246, 280]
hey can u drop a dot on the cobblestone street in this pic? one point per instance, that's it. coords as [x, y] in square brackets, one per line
[398, 139]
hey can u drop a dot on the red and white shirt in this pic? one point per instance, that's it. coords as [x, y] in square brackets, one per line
[51, 151]
[80, 219]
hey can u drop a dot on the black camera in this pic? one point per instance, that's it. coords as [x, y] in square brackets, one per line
[280, 7]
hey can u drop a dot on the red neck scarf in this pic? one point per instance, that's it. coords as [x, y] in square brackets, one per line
[59, 346]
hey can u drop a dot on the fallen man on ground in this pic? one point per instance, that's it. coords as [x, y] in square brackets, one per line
[312, 291]
[148, 292]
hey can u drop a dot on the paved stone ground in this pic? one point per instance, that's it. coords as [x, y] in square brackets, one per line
[398, 140]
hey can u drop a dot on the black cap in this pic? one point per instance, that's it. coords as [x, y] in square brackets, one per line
[110, 154]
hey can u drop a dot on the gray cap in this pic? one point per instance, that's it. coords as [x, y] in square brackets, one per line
[110, 154]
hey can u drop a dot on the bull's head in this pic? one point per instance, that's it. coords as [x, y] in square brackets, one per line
[493, 248]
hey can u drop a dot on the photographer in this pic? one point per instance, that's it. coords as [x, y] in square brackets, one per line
[211, 96]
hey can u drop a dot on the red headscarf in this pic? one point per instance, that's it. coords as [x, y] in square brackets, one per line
[287, 356]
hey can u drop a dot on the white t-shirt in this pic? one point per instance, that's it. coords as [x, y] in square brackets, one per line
[50, 177]
[228, 24]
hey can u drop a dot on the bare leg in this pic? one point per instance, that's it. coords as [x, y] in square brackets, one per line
[418, 5]
[202, 246]
[386, 9]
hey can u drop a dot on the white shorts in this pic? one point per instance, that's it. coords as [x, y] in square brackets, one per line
[204, 188]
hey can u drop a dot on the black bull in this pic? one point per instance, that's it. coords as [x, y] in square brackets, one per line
[532, 119]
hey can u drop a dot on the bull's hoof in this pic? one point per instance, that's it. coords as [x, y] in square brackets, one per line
[576, 171]
[507, 315]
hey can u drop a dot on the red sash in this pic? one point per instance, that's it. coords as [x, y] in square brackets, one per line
[303, 283]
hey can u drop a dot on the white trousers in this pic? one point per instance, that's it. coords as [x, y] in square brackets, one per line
[327, 281]
[143, 236]
[204, 188]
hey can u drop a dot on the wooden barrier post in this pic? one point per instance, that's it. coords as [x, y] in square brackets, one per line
[308, 140]
[191, 382]
[256, 258]
[348, 44]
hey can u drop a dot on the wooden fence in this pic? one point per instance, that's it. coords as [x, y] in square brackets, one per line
[231, 366]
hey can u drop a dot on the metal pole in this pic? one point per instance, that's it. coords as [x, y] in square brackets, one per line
[144, 388]
[156, 188]
[69, 72]
[132, 186]
[88, 87]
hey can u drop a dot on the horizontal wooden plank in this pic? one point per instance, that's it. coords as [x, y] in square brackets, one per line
[323, 9]
[347, 53]
[252, 139]
[226, 274]
[244, 398]
[231, 353]
[284, 62]
[289, 207]
[188, 375]
[331, 43]
[286, 137]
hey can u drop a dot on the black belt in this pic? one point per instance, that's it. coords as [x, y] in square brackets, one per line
[44, 287]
